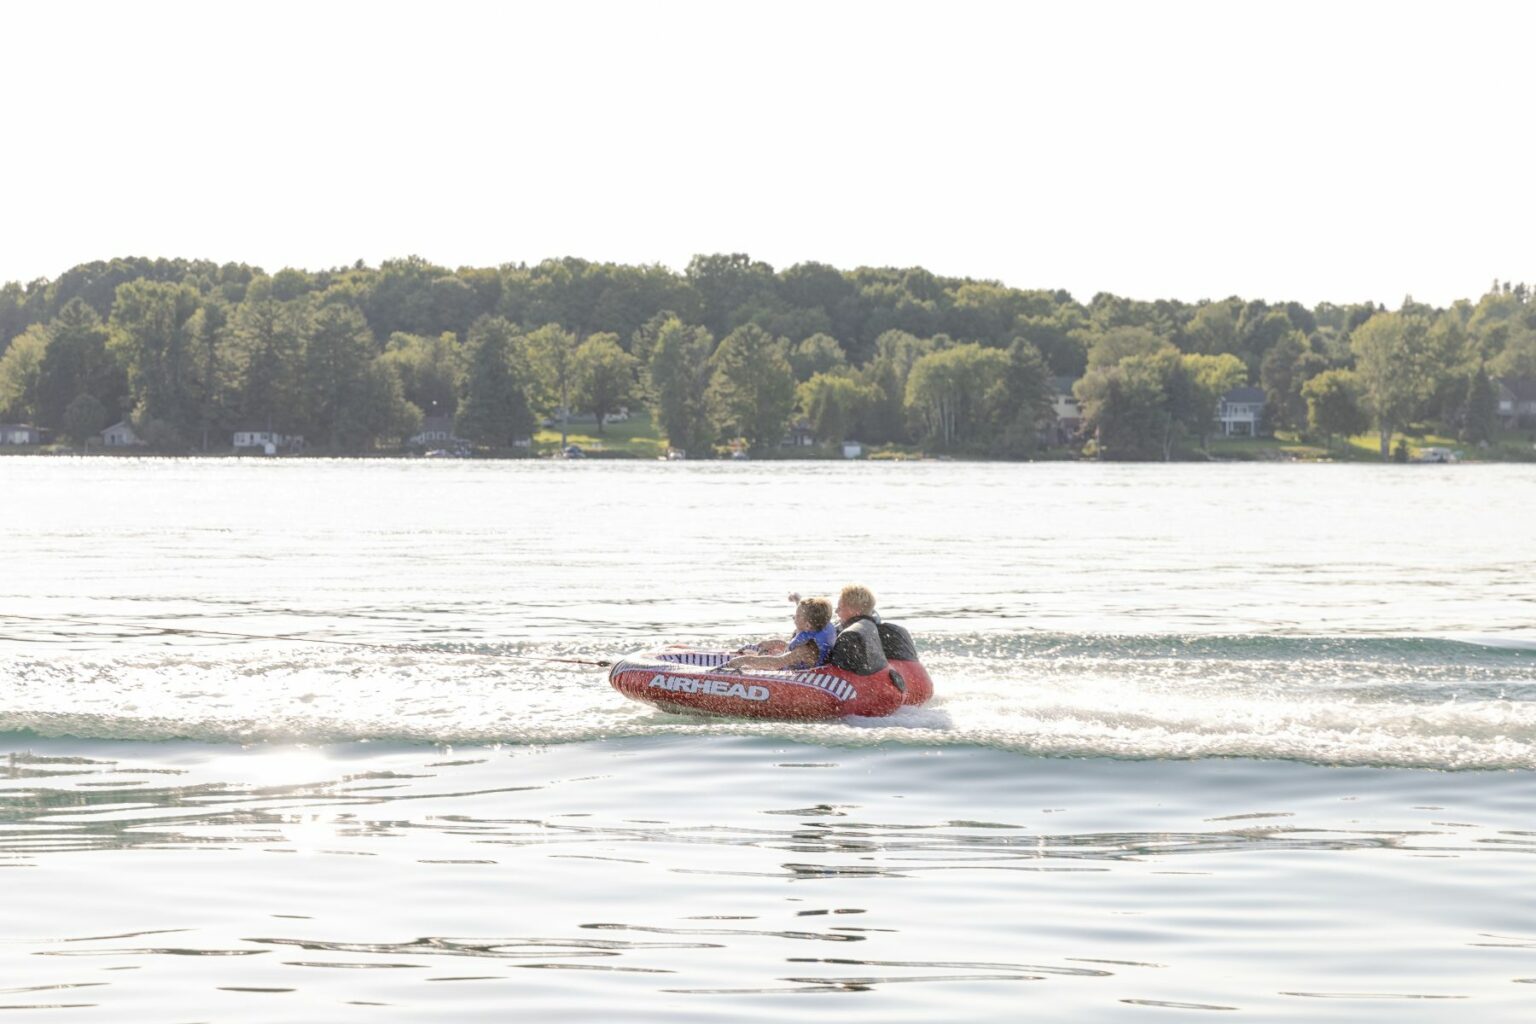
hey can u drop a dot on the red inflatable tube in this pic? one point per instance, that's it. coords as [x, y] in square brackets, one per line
[689, 682]
[917, 686]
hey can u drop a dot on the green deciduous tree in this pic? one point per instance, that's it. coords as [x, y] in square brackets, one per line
[289, 284]
[76, 363]
[430, 369]
[21, 371]
[495, 409]
[820, 353]
[1117, 343]
[553, 349]
[1213, 328]
[341, 394]
[985, 312]
[753, 388]
[726, 283]
[1024, 400]
[1211, 376]
[1482, 407]
[677, 376]
[1281, 376]
[1259, 328]
[1517, 357]
[605, 376]
[896, 352]
[1394, 366]
[1188, 407]
[1126, 410]
[213, 375]
[1333, 405]
[399, 296]
[267, 338]
[83, 417]
[150, 340]
[818, 288]
[951, 393]
[1145, 405]
[834, 403]
[1059, 343]
[1454, 357]
[13, 313]
[384, 417]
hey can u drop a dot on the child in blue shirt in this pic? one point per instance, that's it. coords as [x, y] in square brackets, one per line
[808, 648]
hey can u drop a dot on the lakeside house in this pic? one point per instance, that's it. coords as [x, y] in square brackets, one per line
[853, 450]
[1516, 400]
[436, 432]
[800, 435]
[20, 433]
[121, 435]
[266, 442]
[1069, 416]
[569, 416]
[1240, 412]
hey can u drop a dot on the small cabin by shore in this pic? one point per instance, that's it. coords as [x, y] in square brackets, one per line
[121, 435]
[20, 433]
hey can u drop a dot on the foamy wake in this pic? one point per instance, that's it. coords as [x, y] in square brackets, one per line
[1089, 703]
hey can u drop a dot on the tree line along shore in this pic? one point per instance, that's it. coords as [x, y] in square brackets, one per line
[731, 355]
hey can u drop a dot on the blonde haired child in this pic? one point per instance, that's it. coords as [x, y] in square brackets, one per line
[808, 648]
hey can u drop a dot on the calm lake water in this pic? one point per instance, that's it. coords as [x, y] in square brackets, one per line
[284, 740]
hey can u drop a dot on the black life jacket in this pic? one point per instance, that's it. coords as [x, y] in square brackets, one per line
[858, 649]
[896, 642]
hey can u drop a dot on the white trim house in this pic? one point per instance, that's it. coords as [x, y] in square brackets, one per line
[1240, 412]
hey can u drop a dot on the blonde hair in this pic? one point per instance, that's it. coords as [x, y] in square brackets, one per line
[817, 612]
[858, 598]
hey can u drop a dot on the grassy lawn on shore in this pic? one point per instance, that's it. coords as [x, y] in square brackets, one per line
[636, 437]
[639, 437]
[1507, 446]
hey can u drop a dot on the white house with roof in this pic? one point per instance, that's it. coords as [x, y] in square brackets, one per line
[1069, 416]
[121, 435]
[1240, 412]
[436, 432]
[266, 441]
[20, 433]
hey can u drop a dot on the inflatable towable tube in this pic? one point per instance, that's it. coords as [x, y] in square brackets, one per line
[690, 682]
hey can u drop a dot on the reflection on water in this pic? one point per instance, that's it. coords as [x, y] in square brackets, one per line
[525, 864]
[92, 804]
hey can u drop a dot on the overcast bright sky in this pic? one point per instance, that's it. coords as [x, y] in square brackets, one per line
[1310, 151]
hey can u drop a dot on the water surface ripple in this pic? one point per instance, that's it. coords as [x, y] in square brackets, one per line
[285, 739]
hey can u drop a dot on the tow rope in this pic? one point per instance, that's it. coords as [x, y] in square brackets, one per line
[153, 630]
